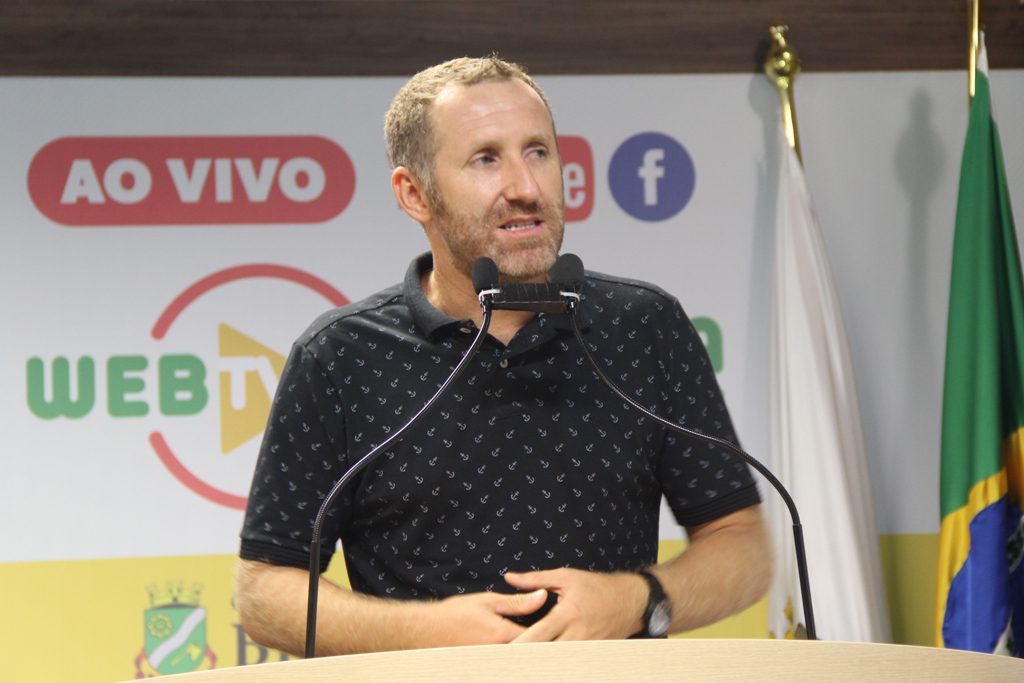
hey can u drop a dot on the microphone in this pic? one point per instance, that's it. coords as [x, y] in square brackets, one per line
[798, 536]
[564, 280]
[568, 270]
[485, 274]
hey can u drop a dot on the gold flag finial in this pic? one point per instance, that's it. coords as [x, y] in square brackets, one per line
[781, 66]
[972, 47]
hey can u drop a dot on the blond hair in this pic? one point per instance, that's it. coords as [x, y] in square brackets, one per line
[408, 129]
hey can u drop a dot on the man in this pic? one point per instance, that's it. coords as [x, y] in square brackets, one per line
[529, 480]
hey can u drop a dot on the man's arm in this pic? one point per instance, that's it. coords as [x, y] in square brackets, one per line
[726, 568]
[271, 602]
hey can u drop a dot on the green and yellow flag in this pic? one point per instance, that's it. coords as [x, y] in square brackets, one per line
[980, 602]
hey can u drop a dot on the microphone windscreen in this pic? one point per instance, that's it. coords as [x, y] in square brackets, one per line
[568, 268]
[485, 274]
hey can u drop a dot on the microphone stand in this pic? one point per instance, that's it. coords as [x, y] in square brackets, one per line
[798, 535]
[361, 464]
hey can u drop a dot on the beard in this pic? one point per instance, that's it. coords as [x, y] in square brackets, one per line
[471, 237]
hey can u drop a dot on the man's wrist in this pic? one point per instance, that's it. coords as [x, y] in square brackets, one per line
[635, 598]
[656, 619]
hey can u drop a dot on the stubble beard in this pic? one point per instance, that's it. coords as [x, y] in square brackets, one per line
[469, 238]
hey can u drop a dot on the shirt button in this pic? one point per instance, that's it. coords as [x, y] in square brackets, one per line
[504, 362]
[465, 330]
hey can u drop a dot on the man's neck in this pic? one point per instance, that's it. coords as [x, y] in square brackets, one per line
[452, 293]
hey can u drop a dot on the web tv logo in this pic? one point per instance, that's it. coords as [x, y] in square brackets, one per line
[652, 177]
[240, 377]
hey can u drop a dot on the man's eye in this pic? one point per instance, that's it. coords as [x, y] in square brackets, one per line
[485, 159]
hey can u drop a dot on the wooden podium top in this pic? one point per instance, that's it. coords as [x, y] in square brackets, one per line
[649, 661]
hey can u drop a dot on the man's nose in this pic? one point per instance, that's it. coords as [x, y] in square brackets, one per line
[520, 183]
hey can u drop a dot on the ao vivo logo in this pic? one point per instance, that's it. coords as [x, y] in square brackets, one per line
[83, 181]
[178, 385]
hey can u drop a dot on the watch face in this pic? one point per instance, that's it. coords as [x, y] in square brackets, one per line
[660, 620]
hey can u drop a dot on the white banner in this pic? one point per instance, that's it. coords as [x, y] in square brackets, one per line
[164, 240]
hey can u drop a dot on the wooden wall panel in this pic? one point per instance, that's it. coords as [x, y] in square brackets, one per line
[384, 37]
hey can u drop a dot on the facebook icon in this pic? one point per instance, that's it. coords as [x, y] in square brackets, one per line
[651, 176]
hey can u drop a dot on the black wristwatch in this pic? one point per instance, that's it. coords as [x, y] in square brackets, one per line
[658, 613]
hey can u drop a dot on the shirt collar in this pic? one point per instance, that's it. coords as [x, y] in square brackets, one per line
[426, 316]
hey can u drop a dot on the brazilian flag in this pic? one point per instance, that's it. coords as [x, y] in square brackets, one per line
[980, 602]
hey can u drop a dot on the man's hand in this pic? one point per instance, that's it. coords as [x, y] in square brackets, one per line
[272, 605]
[476, 618]
[726, 568]
[591, 605]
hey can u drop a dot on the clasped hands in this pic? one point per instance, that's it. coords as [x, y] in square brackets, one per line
[591, 606]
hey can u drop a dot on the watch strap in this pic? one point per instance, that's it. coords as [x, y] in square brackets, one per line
[658, 612]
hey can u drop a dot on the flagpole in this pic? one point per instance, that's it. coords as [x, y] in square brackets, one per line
[781, 66]
[972, 47]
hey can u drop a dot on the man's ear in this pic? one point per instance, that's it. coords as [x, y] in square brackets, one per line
[410, 194]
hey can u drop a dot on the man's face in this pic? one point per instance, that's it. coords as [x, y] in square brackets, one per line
[497, 180]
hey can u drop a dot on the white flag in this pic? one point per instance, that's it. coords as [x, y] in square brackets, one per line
[817, 447]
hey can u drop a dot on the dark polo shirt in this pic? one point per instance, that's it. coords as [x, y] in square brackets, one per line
[529, 462]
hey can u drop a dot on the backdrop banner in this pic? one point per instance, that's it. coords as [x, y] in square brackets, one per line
[163, 241]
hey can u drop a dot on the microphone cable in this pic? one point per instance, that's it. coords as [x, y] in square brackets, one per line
[798, 535]
[314, 543]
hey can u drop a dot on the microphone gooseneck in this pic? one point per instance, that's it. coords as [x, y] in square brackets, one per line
[362, 463]
[550, 297]
[798, 535]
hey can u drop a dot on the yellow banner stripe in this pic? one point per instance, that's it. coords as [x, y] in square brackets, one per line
[954, 533]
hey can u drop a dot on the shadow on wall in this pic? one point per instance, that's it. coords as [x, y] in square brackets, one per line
[919, 162]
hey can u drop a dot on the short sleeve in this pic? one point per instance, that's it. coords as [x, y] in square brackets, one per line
[302, 455]
[701, 481]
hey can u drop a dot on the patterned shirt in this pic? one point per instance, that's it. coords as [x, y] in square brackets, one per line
[529, 462]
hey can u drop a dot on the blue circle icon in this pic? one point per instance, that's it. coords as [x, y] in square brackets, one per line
[652, 176]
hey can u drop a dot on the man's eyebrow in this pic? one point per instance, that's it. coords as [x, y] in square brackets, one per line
[485, 147]
[492, 144]
[541, 138]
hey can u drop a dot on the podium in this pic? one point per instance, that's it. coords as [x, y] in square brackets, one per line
[642, 661]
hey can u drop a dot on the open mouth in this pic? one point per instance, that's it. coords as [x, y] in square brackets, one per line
[518, 226]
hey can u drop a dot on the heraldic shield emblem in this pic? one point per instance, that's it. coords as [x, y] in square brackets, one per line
[175, 633]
